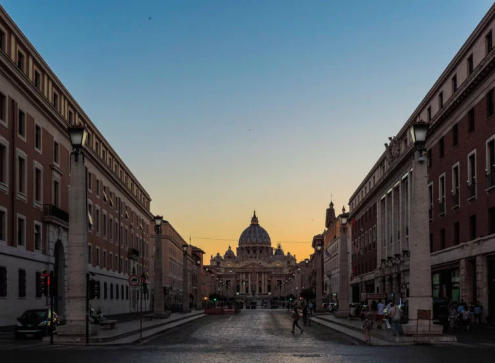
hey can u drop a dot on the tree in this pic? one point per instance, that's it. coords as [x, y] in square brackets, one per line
[308, 294]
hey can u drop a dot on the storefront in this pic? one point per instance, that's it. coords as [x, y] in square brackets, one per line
[446, 283]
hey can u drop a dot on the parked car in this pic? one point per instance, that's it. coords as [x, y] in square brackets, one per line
[35, 323]
[329, 307]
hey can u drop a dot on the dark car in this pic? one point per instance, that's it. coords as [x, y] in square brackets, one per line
[35, 323]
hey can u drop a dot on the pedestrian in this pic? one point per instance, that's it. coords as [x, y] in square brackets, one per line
[478, 310]
[367, 326]
[373, 311]
[295, 320]
[465, 320]
[394, 313]
[379, 314]
[311, 308]
[305, 314]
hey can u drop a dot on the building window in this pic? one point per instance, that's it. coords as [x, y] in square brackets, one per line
[127, 292]
[104, 289]
[431, 242]
[110, 228]
[457, 235]
[491, 220]
[37, 276]
[455, 185]
[37, 235]
[3, 109]
[37, 80]
[90, 216]
[22, 283]
[442, 238]
[111, 291]
[104, 259]
[97, 188]
[2, 43]
[37, 137]
[442, 147]
[3, 224]
[472, 174]
[490, 163]
[21, 174]
[454, 83]
[430, 200]
[90, 181]
[116, 291]
[97, 261]
[56, 193]
[428, 112]
[104, 225]
[455, 135]
[489, 42]
[97, 221]
[56, 153]
[3, 281]
[4, 162]
[21, 124]
[38, 185]
[472, 227]
[441, 197]
[21, 231]
[470, 64]
[471, 120]
[70, 117]
[440, 100]
[429, 158]
[89, 255]
[55, 100]
[489, 103]
[20, 60]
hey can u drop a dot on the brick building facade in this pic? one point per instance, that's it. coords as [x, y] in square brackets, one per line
[35, 113]
[461, 165]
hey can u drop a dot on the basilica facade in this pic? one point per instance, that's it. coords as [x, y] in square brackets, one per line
[257, 271]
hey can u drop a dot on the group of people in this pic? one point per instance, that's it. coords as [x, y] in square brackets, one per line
[374, 317]
[464, 316]
[307, 311]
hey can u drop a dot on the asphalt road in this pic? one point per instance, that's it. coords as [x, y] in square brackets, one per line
[251, 336]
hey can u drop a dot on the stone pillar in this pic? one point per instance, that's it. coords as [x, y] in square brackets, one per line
[77, 261]
[319, 280]
[185, 284]
[463, 274]
[343, 304]
[420, 264]
[159, 303]
[482, 283]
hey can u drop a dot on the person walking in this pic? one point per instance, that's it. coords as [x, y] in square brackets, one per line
[394, 314]
[367, 326]
[305, 314]
[379, 314]
[478, 310]
[295, 320]
[310, 308]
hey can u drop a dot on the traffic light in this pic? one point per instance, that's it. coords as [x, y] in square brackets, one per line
[40, 284]
[94, 289]
[44, 283]
[214, 299]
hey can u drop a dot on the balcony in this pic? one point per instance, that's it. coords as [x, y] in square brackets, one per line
[132, 253]
[56, 215]
[490, 180]
[455, 200]
[472, 190]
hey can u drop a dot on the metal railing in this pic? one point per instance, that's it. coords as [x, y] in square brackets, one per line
[490, 180]
[441, 207]
[133, 253]
[455, 200]
[54, 211]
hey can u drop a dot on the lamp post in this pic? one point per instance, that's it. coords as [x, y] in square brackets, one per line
[420, 300]
[343, 304]
[76, 313]
[185, 281]
[159, 303]
[319, 276]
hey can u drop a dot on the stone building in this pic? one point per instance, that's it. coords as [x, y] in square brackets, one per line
[461, 157]
[35, 176]
[258, 271]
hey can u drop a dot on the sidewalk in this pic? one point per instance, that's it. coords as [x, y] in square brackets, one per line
[128, 332]
[378, 336]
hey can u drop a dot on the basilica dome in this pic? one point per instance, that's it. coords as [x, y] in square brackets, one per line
[255, 235]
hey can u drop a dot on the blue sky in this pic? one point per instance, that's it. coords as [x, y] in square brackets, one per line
[219, 107]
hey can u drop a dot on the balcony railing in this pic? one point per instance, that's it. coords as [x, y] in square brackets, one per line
[133, 253]
[51, 210]
[441, 207]
[490, 180]
[472, 190]
[455, 200]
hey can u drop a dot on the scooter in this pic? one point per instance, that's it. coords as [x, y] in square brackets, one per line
[96, 317]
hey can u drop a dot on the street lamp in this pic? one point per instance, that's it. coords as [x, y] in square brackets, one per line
[159, 302]
[343, 303]
[185, 280]
[76, 303]
[420, 299]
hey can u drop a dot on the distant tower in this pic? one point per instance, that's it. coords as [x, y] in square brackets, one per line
[254, 220]
[330, 215]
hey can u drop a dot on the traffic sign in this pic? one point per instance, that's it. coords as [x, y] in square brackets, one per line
[134, 280]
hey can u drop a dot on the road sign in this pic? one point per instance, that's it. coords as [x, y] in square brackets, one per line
[134, 288]
[134, 280]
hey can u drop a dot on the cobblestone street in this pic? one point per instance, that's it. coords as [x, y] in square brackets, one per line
[252, 335]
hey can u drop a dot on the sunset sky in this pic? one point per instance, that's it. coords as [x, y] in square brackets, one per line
[222, 107]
